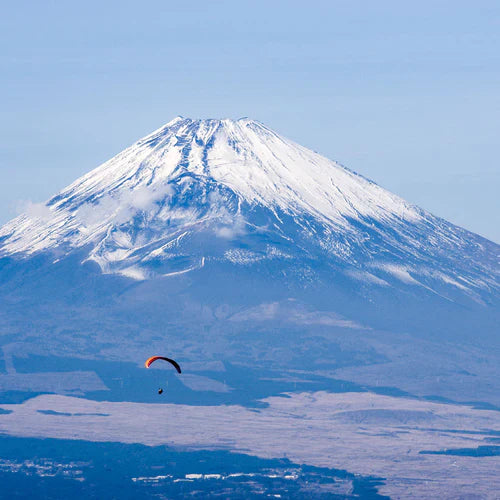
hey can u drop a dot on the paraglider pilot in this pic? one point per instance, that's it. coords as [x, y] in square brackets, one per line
[152, 359]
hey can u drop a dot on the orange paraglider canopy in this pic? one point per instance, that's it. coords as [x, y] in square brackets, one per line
[152, 359]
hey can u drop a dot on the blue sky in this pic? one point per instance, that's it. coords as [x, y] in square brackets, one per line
[406, 93]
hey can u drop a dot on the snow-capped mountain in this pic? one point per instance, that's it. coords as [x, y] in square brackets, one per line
[222, 241]
[195, 192]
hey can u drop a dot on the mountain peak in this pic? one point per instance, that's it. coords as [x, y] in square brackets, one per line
[260, 166]
[201, 129]
[236, 191]
[180, 121]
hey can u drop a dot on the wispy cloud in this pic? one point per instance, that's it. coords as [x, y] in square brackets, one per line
[120, 208]
[34, 210]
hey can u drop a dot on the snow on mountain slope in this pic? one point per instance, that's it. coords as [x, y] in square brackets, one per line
[201, 191]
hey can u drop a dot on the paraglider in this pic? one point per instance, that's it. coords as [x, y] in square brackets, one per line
[152, 359]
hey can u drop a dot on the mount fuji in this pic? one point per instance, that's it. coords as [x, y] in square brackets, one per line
[315, 315]
[197, 192]
[207, 230]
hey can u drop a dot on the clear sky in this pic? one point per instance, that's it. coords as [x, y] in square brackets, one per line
[406, 93]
